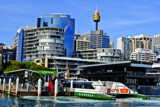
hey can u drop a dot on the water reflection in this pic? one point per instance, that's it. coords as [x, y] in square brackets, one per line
[72, 101]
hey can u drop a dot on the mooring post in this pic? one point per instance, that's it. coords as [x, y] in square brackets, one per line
[4, 82]
[71, 87]
[17, 86]
[0, 84]
[56, 88]
[9, 86]
[39, 87]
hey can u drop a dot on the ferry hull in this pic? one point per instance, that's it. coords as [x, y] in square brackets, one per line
[94, 96]
[132, 96]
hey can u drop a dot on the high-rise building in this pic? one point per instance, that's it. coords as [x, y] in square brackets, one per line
[39, 42]
[98, 39]
[6, 54]
[82, 44]
[111, 45]
[101, 54]
[61, 21]
[157, 50]
[142, 41]
[157, 45]
[143, 55]
[157, 39]
[124, 44]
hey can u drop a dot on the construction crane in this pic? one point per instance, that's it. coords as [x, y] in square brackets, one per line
[77, 33]
[67, 26]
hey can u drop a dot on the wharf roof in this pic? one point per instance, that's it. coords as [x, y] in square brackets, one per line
[122, 63]
[141, 65]
[78, 59]
[20, 70]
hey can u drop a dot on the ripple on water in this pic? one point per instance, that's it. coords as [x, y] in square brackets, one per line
[69, 101]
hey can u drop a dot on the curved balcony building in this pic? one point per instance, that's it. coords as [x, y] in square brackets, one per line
[41, 42]
[60, 20]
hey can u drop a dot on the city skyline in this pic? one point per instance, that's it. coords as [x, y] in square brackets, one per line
[118, 18]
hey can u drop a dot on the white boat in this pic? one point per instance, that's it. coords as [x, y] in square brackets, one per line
[100, 89]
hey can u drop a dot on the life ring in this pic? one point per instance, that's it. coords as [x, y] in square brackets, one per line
[113, 90]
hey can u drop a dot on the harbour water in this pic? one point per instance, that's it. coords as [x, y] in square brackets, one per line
[70, 101]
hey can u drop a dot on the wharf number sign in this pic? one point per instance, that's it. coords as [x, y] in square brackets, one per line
[47, 72]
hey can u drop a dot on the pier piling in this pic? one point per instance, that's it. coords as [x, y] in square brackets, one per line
[4, 82]
[56, 88]
[39, 87]
[71, 87]
[17, 86]
[0, 84]
[9, 86]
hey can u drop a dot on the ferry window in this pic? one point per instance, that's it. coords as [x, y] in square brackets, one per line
[88, 86]
[82, 86]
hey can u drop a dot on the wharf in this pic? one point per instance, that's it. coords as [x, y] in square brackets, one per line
[15, 89]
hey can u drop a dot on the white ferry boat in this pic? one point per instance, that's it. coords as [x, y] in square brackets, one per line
[88, 89]
[100, 89]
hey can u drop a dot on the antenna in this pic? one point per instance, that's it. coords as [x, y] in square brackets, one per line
[96, 7]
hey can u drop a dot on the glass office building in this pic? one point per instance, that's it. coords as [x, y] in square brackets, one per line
[61, 21]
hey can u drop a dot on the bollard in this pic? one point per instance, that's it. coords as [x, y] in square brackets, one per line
[71, 86]
[39, 87]
[56, 88]
[0, 84]
[4, 81]
[17, 86]
[9, 86]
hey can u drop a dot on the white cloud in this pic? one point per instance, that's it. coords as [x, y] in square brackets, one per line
[136, 21]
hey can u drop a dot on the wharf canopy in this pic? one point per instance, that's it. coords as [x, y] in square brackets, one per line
[25, 74]
[106, 72]
[63, 64]
[127, 72]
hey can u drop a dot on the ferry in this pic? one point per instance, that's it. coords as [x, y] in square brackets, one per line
[122, 91]
[107, 90]
[88, 89]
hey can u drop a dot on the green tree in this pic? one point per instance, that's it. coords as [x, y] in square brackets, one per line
[16, 65]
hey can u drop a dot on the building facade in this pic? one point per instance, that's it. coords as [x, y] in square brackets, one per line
[61, 21]
[82, 43]
[39, 42]
[111, 45]
[124, 44]
[157, 50]
[143, 55]
[142, 41]
[98, 39]
[157, 39]
[6, 54]
[100, 54]
[157, 45]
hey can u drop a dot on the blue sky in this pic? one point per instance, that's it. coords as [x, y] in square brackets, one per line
[118, 17]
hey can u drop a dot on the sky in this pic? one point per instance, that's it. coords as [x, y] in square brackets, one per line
[119, 18]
